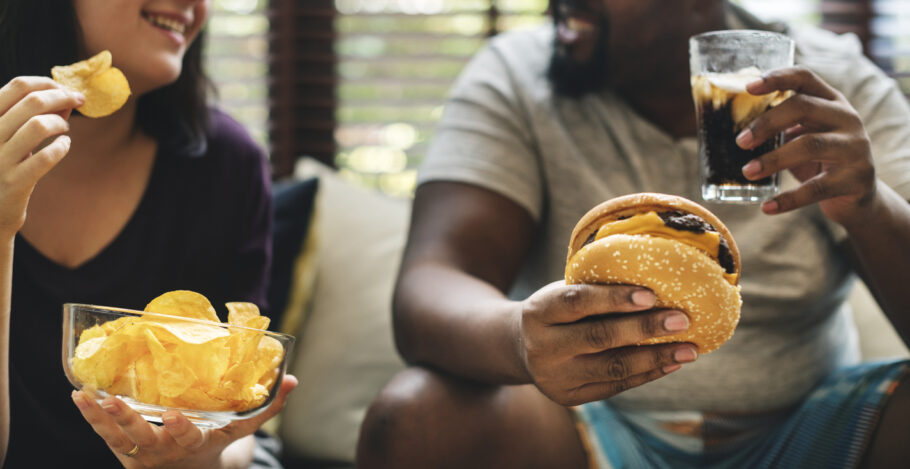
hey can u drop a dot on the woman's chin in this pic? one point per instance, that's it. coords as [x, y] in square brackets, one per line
[149, 83]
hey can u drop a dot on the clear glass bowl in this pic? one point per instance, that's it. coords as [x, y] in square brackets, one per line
[78, 318]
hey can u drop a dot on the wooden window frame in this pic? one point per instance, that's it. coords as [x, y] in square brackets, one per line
[302, 82]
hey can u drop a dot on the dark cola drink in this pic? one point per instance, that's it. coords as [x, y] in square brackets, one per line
[723, 109]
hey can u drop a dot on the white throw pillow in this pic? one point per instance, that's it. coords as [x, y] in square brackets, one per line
[344, 353]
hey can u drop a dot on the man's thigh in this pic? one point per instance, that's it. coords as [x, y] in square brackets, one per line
[427, 419]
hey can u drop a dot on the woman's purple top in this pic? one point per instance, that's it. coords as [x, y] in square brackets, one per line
[203, 224]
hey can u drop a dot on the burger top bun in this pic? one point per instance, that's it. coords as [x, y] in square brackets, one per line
[643, 202]
[681, 274]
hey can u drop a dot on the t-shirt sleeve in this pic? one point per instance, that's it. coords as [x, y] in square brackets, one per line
[886, 117]
[484, 136]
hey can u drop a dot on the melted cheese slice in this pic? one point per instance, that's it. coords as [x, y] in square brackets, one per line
[651, 224]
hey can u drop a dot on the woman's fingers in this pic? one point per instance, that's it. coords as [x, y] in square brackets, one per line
[131, 423]
[28, 137]
[36, 103]
[102, 423]
[37, 165]
[182, 430]
[19, 87]
[242, 428]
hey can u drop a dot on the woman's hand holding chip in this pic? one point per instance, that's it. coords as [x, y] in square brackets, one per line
[33, 117]
[178, 443]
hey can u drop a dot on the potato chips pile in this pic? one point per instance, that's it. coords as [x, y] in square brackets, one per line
[105, 87]
[180, 363]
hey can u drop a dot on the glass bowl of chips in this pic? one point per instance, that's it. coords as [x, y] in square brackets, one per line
[212, 372]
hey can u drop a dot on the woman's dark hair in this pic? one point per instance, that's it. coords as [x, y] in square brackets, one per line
[35, 35]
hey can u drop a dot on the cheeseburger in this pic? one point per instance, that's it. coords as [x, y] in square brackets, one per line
[671, 245]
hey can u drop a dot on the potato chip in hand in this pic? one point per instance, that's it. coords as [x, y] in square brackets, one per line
[105, 87]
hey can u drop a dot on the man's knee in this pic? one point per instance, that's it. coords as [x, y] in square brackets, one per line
[416, 416]
[396, 410]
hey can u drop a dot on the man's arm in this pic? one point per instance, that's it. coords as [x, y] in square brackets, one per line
[464, 249]
[880, 250]
[830, 152]
[572, 341]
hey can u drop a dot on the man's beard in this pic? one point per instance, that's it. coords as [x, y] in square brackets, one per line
[572, 79]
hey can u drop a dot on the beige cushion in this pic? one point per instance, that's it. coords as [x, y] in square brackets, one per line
[344, 352]
[877, 338]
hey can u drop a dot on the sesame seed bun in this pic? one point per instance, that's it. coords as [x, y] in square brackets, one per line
[682, 276]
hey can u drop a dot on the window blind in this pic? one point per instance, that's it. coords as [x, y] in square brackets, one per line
[396, 63]
[237, 42]
[890, 38]
[302, 82]
[361, 83]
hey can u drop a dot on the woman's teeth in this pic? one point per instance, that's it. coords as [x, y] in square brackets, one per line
[166, 23]
[578, 25]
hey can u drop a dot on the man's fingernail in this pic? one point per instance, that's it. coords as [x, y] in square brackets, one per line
[643, 298]
[751, 168]
[676, 322]
[671, 368]
[744, 139]
[685, 355]
[755, 84]
[770, 206]
[169, 419]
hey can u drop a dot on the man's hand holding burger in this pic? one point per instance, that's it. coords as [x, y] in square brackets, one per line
[578, 341]
[652, 281]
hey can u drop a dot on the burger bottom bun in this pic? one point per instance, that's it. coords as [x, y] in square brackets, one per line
[681, 276]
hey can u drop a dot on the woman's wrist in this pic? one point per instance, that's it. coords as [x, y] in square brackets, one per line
[238, 454]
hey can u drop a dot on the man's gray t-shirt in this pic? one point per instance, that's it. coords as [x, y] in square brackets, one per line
[503, 129]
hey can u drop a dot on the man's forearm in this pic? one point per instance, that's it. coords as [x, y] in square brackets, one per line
[450, 320]
[883, 248]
